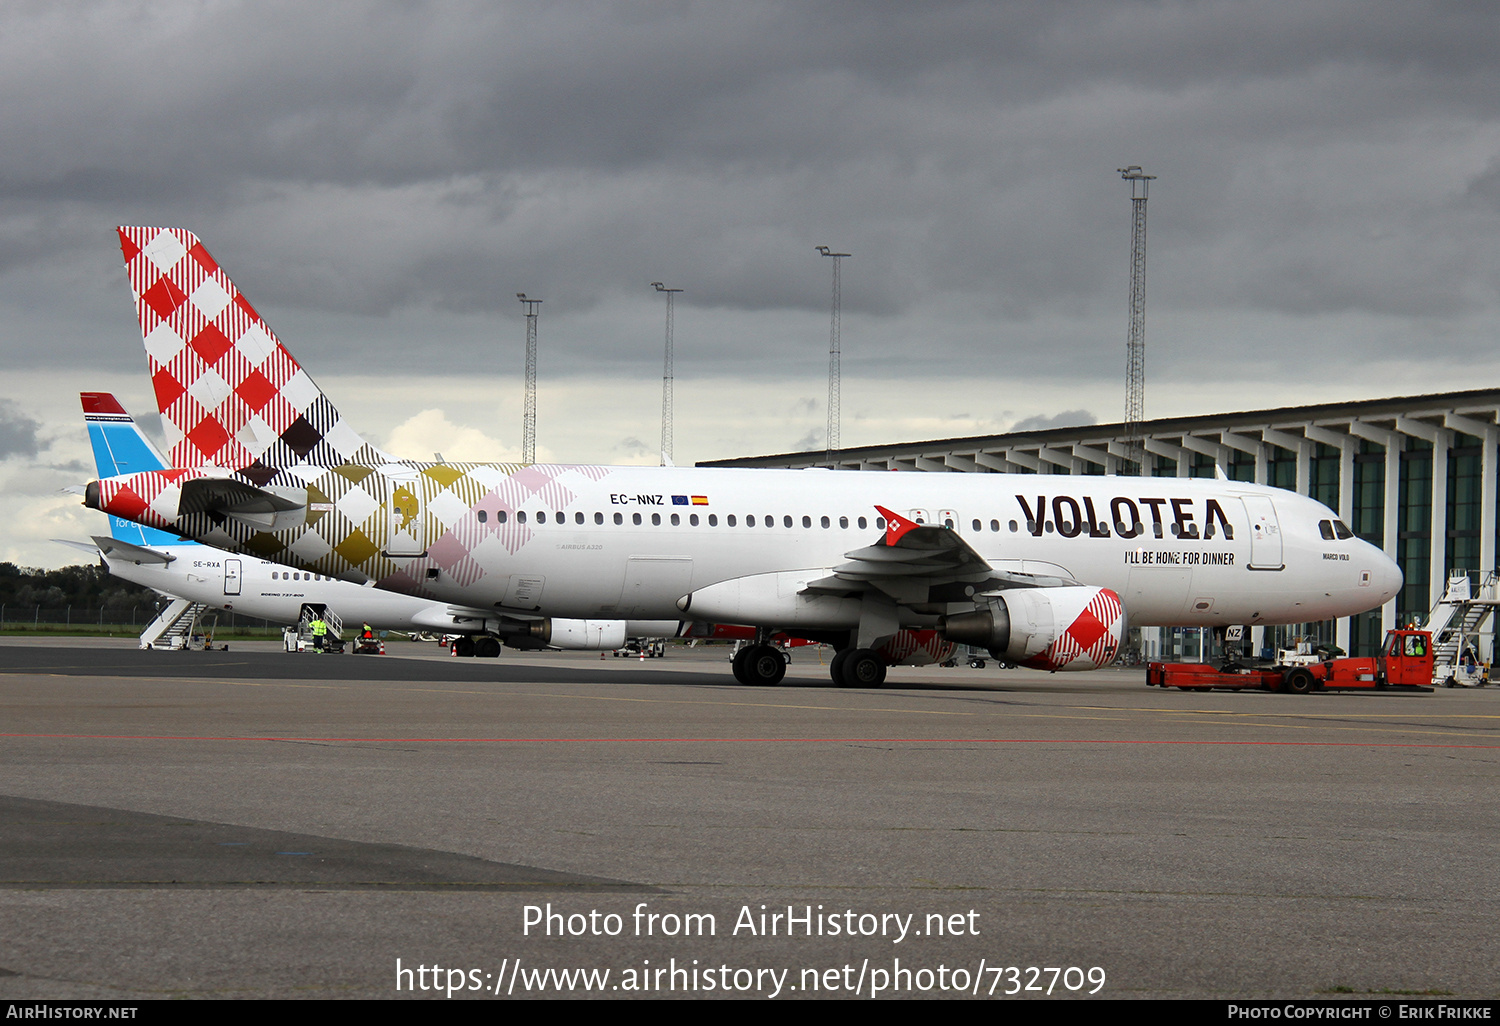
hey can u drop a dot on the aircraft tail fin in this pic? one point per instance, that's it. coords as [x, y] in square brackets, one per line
[120, 447]
[230, 394]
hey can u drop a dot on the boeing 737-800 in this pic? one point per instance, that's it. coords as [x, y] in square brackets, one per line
[1042, 570]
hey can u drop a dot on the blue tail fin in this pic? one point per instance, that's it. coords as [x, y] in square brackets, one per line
[121, 448]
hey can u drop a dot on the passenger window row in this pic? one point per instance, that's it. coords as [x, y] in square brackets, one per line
[675, 519]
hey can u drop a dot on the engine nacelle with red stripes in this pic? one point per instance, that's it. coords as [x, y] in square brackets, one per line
[1074, 628]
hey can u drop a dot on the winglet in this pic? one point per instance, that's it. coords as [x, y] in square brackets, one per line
[896, 526]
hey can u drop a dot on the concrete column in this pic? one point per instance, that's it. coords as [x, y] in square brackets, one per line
[1487, 527]
[1391, 517]
[1487, 486]
[1437, 569]
[1343, 632]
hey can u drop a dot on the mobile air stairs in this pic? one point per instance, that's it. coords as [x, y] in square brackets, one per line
[175, 626]
[1456, 624]
[300, 638]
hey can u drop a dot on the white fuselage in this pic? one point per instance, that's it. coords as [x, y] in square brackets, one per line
[1207, 552]
[274, 592]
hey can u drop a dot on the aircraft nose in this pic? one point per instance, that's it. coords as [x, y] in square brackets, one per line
[1388, 576]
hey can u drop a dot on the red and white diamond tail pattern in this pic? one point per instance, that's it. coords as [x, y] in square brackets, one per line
[1090, 641]
[229, 393]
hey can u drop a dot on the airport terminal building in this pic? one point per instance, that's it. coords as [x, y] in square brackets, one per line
[1414, 475]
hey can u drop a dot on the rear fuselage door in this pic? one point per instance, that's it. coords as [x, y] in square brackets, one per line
[1265, 533]
[232, 576]
[405, 516]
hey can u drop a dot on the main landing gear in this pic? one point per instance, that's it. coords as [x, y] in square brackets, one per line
[759, 665]
[485, 646]
[857, 668]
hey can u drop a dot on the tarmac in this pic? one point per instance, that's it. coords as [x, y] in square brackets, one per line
[254, 824]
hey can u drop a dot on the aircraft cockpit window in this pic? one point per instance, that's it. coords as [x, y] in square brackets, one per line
[1342, 531]
[1325, 528]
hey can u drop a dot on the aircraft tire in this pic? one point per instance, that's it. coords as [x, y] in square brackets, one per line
[1299, 682]
[836, 667]
[864, 669]
[759, 666]
[741, 673]
[765, 665]
[487, 647]
[464, 647]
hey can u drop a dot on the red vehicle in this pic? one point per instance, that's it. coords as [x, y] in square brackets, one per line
[1405, 661]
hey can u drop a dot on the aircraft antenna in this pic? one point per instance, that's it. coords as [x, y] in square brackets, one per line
[666, 381]
[835, 343]
[1135, 344]
[528, 416]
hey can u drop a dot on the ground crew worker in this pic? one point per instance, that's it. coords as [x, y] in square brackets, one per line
[319, 633]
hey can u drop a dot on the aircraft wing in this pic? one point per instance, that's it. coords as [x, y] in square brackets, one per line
[912, 550]
[914, 556]
[116, 549]
[89, 547]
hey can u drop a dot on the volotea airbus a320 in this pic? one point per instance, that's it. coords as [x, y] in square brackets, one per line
[1043, 571]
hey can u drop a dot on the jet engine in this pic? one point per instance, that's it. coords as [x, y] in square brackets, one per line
[1074, 628]
[587, 635]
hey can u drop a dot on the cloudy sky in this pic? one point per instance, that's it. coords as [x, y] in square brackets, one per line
[381, 179]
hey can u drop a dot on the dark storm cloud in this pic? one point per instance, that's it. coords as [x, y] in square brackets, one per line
[1315, 160]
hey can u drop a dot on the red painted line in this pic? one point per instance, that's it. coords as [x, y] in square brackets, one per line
[757, 740]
